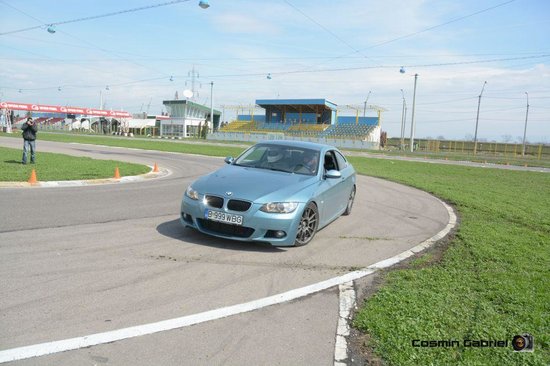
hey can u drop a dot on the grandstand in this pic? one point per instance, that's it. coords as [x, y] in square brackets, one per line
[306, 118]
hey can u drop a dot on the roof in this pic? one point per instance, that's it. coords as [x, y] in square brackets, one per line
[297, 143]
[298, 105]
[192, 104]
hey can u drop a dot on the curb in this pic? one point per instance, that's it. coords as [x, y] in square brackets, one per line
[91, 182]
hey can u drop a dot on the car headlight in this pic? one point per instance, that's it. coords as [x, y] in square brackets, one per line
[279, 207]
[191, 193]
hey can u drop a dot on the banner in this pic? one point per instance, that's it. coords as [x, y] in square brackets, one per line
[60, 109]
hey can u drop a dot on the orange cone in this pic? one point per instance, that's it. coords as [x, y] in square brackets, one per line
[117, 173]
[155, 168]
[32, 179]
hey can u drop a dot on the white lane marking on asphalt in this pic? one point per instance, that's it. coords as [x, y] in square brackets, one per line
[347, 302]
[47, 348]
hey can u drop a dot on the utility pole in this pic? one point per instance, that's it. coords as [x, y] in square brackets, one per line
[412, 120]
[403, 119]
[211, 105]
[477, 118]
[365, 108]
[525, 128]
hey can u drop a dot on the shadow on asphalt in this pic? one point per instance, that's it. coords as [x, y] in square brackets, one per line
[173, 229]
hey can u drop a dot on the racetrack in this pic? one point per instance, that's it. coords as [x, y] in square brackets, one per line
[81, 260]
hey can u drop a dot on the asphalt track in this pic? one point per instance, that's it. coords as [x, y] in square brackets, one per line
[76, 261]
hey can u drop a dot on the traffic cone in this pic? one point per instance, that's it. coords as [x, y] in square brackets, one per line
[117, 173]
[155, 168]
[32, 179]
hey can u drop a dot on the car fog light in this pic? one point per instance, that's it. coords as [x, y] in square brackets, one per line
[278, 234]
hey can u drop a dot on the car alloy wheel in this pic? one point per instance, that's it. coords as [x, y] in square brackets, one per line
[350, 202]
[308, 225]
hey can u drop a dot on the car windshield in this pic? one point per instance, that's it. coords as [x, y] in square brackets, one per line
[282, 158]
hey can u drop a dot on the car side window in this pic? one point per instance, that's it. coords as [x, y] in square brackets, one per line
[330, 161]
[341, 160]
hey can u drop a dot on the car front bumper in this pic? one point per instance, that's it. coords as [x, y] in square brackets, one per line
[256, 226]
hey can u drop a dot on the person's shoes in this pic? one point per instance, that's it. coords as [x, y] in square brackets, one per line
[24, 163]
[32, 162]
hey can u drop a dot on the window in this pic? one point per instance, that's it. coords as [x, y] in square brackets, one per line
[330, 161]
[341, 160]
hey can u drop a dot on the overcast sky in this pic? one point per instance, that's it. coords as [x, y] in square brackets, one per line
[336, 50]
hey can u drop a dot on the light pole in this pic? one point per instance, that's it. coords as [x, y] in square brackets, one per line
[477, 118]
[403, 118]
[525, 128]
[412, 119]
[365, 108]
[211, 105]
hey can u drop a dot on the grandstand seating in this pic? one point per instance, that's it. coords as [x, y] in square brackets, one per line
[347, 131]
[238, 126]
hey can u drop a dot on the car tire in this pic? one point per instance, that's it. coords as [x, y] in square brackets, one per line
[307, 228]
[350, 202]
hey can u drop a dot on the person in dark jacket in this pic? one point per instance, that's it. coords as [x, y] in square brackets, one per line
[29, 137]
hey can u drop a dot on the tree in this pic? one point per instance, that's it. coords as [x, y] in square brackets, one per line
[507, 138]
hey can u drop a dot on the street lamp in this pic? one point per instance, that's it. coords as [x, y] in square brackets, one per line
[365, 108]
[525, 128]
[211, 105]
[477, 118]
[412, 119]
[403, 119]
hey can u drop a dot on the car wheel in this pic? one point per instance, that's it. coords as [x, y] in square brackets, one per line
[350, 202]
[308, 225]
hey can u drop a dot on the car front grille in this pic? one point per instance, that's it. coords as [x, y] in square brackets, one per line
[214, 201]
[226, 229]
[237, 205]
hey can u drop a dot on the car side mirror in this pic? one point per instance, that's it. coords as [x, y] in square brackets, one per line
[333, 174]
[229, 160]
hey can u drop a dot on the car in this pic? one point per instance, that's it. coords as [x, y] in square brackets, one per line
[278, 192]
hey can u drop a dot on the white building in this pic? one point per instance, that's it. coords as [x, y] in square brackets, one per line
[185, 118]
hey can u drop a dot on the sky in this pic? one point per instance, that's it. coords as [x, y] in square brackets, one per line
[347, 52]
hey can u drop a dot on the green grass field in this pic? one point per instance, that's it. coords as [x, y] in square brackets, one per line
[491, 283]
[53, 167]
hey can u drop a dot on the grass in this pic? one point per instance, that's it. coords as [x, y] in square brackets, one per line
[53, 167]
[491, 283]
[148, 144]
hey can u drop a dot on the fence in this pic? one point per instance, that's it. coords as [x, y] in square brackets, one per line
[258, 136]
[537, 151]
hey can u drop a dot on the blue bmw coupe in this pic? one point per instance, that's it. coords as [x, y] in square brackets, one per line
[279, 192]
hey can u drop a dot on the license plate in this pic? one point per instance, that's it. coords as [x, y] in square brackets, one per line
[223, 217]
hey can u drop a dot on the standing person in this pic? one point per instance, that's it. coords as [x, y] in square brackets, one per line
[29, 136]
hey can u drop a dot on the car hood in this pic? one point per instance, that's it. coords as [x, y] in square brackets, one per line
[257, 185]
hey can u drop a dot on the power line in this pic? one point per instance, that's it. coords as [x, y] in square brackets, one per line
[440, 25]
[93, 16]
[326, 29]
[83, 41]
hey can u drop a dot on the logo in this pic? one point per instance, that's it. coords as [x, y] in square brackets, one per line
[228, 194]
[523, 343]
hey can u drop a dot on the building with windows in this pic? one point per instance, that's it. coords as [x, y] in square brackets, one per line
[185, 118]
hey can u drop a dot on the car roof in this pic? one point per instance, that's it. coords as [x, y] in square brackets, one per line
[299, 144]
